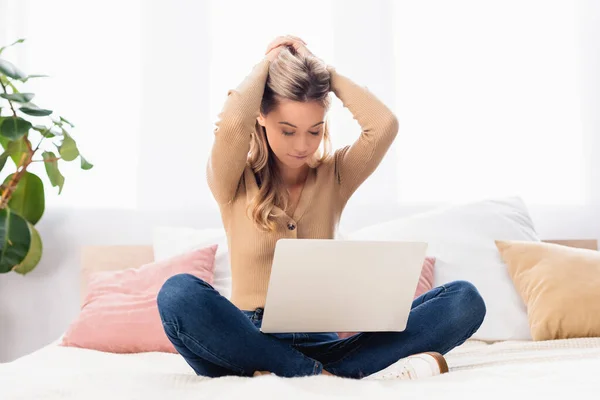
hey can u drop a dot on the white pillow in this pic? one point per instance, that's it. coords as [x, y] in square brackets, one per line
[461, 237]
[169, 241]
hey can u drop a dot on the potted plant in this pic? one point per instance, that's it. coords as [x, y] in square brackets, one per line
[28, 134]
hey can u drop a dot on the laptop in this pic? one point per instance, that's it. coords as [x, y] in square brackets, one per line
[329, 285]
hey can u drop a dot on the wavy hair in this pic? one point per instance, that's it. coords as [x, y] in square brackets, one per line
[291, 77]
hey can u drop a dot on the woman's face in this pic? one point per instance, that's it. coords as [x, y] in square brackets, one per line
[294, 131]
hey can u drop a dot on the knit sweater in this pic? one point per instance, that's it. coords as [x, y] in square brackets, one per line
[326, 191]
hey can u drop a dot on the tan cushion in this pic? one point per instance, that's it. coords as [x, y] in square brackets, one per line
[560, 286]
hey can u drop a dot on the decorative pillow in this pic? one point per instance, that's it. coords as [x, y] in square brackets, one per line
[169, 241]
[560, 286]
[120, 314]
[461, 237]
[425, 284]
[426, 279]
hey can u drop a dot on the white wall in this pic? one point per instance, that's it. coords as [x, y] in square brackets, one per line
[37, 308]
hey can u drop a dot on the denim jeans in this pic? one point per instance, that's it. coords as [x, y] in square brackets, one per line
[216, 338]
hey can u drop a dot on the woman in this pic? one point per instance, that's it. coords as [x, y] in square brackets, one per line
[272, 181]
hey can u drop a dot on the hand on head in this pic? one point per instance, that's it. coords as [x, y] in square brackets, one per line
[295, 43]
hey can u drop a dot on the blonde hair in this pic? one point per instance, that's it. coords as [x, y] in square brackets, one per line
[291, 77]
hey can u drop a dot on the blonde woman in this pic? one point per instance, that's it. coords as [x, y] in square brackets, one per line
[273, 175]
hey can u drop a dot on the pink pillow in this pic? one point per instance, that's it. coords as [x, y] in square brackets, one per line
[426, 278]
[120, 313]
[425, 285]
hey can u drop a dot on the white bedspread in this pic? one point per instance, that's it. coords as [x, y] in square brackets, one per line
[553, 369]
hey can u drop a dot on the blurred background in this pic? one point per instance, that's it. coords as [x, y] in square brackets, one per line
[493, 98]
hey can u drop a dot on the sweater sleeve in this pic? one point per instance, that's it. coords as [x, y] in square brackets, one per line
[379, 125]
[234, 126]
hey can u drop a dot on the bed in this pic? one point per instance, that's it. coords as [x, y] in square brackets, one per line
[552, 369]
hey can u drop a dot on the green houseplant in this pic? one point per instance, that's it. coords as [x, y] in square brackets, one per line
[22, 200]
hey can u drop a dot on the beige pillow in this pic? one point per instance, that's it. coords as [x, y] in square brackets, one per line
[560, 286]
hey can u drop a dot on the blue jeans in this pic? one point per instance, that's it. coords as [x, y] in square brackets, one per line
[216, 338]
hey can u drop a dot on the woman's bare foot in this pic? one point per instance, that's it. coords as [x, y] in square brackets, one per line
[325, 372]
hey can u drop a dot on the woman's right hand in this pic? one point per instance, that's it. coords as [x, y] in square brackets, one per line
[280, 42]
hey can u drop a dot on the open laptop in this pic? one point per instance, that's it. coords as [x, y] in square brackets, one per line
[327, 285]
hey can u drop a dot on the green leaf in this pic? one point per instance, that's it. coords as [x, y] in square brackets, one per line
[12, 44]
[35, 111]
[15, 239]
[44, 131]
[9, 83]
[16, 148]
[3, 157]
[85, 164]
[28, 198]
[14, 127]
[7, 68]
[56, 178]
[68, 148]
[67, 122]
[33, 76]
[18, 97]
[34, 255]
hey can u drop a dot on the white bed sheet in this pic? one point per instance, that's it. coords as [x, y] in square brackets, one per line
[553, 369]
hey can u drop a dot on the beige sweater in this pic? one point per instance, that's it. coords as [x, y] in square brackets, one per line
[326, 191]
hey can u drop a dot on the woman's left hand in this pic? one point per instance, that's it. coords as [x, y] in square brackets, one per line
[300, 48]
[294, 42]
